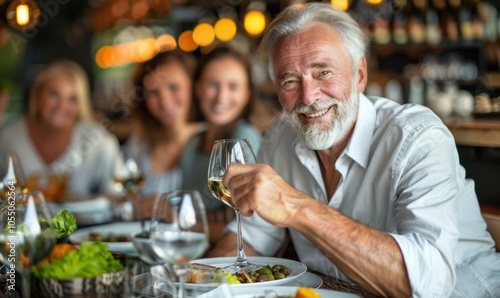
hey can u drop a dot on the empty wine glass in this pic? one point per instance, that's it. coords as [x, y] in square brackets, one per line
[179, 231]
[12, 174]
[225, 152]
[27, 235]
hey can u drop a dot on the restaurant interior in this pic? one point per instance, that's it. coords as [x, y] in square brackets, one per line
[444, 54]
[415, 47]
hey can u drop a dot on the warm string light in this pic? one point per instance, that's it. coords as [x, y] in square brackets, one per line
[254, 22]
[374, 2]
[225, 29]
[22, 14]
[342, 4]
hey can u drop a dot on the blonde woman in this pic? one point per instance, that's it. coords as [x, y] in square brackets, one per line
[58, 139]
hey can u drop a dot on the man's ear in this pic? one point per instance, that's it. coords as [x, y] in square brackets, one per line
[362, 74]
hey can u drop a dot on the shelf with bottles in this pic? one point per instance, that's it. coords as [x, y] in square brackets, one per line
[427, 25]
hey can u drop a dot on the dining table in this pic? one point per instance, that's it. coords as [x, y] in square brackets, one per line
[335, 284]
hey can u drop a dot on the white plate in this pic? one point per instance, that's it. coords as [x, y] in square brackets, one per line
[297, 269]
[117, 228]
[234, 292]
[307, 279]
[93, 211]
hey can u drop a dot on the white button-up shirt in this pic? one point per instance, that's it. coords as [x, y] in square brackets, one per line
[400, 175]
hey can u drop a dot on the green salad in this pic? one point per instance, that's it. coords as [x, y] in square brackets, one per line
[90, 260]
[64, 223]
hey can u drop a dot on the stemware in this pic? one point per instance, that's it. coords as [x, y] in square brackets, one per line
[128, 175]
[225, 152]
[27, 236]
[128, 181]
[179, 230]
[12, 175]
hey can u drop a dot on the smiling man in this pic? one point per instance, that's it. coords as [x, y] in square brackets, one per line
[371, 191]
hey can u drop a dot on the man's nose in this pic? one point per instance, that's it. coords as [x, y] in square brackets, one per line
[310, 91]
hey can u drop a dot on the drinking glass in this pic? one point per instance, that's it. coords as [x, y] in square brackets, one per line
[11, 175]
[128, 181]
[128, 174]
[27, 235]
[225, 152]
[179, 231]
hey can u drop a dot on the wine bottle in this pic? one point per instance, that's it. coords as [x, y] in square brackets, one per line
[452, 24]
[416, 24]
[433, 31]
[477, 22]
[399, 22]
[465, 18]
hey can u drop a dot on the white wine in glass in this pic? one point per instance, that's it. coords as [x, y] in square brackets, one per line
[224, 153]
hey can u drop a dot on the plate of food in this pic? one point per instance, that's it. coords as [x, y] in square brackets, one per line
[279, 292]
[205, 273]
[117, 236]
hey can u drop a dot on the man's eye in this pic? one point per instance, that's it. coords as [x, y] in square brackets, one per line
[324, 72]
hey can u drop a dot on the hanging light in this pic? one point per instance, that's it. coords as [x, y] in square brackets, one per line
[255, 20]
[225, 29]
[203, 34]
[23, 14]
[341, 4]
[186, 42]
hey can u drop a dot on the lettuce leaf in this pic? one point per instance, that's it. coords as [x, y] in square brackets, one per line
[64, 223]
[90, 260]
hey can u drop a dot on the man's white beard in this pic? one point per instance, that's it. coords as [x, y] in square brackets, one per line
[323, 135]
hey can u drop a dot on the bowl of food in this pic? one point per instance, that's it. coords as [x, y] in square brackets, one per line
[89, 269]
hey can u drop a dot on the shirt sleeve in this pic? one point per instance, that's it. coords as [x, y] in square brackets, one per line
[427, 185]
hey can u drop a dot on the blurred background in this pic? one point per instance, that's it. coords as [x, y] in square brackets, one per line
[441, 53]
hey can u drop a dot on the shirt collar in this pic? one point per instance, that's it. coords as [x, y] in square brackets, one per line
[358, 147]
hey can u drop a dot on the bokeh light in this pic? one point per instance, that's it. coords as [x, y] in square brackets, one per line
[203, 34]
[254, 22]
[166, 42]
[343, 4]
[225, 29]
[22, 14]
[186, 42]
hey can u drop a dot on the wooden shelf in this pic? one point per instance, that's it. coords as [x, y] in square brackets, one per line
[475, 132]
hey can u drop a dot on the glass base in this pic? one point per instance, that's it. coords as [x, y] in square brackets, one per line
[242, 266]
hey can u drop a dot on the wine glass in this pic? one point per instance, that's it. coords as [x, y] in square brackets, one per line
[128, 176]
[12, 175]
[160, 274]
[225, 152]
[128, 180]
[179, 230]
[27, 235]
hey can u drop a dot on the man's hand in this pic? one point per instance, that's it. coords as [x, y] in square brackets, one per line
[258, 188]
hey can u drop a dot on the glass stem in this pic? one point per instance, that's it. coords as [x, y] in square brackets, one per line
[181, 272]
[25, 283]
[241, 258]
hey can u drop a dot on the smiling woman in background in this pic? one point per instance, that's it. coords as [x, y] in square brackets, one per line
[163, 102]
[223, 92]
[57, 139]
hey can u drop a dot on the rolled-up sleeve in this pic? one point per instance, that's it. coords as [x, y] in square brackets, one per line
[427, 185]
